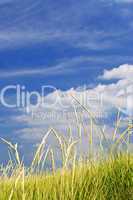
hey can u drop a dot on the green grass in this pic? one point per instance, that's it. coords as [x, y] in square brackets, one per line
[81, 177]
[111, 179]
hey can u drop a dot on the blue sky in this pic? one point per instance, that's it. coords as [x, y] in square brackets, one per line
[66, 44]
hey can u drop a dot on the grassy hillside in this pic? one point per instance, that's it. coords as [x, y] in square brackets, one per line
[111, 179]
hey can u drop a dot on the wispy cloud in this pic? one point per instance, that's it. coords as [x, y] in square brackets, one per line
[124, 1]
[10, 39]
[27, 24]
[5, 1]
[44, 71]
[67, 66]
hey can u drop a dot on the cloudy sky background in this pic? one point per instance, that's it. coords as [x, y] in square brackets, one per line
[78, 47]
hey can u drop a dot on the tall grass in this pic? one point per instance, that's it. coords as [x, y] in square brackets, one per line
[111, 179]
[79, 178]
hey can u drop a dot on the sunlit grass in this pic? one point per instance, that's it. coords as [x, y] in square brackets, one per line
[79, 178]
[110, 179]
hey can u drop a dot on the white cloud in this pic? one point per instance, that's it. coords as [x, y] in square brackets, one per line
[61, 117]
[122, 72]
